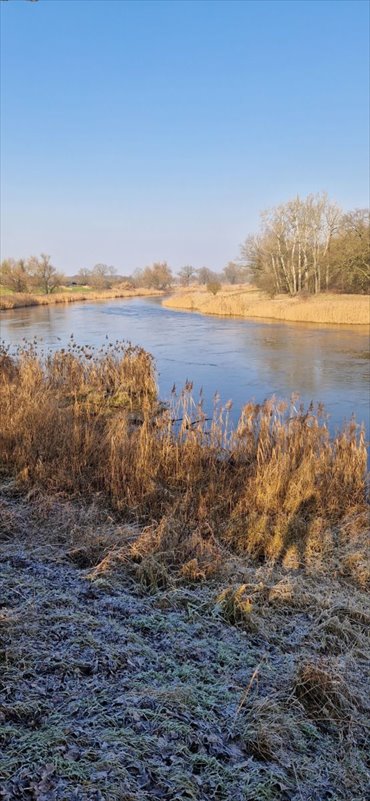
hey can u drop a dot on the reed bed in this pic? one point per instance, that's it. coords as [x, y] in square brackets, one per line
[20, 300]
[249, 302]
[83, 422]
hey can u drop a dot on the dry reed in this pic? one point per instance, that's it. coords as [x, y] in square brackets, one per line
[248, 302]
[20, 300]
[85, 422]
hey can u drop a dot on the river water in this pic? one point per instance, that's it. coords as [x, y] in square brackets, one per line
[240, 359]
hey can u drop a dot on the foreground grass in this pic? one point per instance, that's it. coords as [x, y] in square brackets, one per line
[16, 300]
[248, 302]
[115, 687]
[184, 611]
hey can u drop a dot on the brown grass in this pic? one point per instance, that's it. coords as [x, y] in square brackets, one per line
[19, 300]
[247, 301]
[89, 424]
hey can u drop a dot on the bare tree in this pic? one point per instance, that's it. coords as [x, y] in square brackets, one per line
[158, 276]
[186, 274]
[235, 273]
[83, 276]
[101, 276]
[205, 275]
[15, 275]
[44, 275]
[291, 251]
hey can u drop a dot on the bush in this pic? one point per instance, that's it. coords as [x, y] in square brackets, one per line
[214, 287]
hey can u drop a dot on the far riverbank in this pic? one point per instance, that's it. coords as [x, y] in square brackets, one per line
[242, 301]
[22, 300]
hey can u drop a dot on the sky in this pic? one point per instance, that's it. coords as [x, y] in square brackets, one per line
[141, 131]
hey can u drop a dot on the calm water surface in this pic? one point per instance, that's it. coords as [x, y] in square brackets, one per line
[241, 359]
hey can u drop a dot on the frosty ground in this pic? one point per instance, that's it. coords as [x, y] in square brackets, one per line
[119, 682]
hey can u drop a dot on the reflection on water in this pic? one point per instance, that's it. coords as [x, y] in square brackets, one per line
[242, 359]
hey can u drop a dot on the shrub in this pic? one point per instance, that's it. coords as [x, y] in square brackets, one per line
[213, 287]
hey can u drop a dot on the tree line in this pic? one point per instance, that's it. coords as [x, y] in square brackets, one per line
[308, 246]
[39, 275]
[303, 246]
[32, 274]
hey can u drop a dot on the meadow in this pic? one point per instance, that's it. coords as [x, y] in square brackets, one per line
[185, 600]
[247, 301]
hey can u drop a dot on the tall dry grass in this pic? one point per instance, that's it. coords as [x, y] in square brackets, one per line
[249, 302]
[19, 299]
[85, 422]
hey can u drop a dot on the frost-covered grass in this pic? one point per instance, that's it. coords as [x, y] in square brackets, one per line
[118, 690]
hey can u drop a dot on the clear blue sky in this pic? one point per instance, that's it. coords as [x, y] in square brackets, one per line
[138, 131]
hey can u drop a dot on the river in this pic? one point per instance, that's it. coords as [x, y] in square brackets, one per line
[240, 359]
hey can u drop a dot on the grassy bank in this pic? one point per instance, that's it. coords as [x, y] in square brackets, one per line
[245, 301]
[185, 610]
[18, 300]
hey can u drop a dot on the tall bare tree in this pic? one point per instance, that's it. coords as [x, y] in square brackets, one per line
[101, 276]
[290, 253]
[186, 274]
[44, 275]
[234, 273]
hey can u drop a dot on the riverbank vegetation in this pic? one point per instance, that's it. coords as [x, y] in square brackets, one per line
[83, 422]
[248, 301]
[304, 247]
[70, 295]
[185, 609]
[310, 245]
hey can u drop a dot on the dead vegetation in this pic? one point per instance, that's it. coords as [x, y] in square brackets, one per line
[246, 301]
[18, 300]
[183, 604]
[89, 423]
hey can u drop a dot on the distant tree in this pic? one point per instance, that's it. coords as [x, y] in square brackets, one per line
[235, 273]
[101, 276]
[204, 275]
[158, 276]
[186, 274]
[15, 275]
[83, 276]
[44, 275]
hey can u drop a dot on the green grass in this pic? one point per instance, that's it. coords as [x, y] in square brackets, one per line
[39, 291]
[83, 289]
[5, 291]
